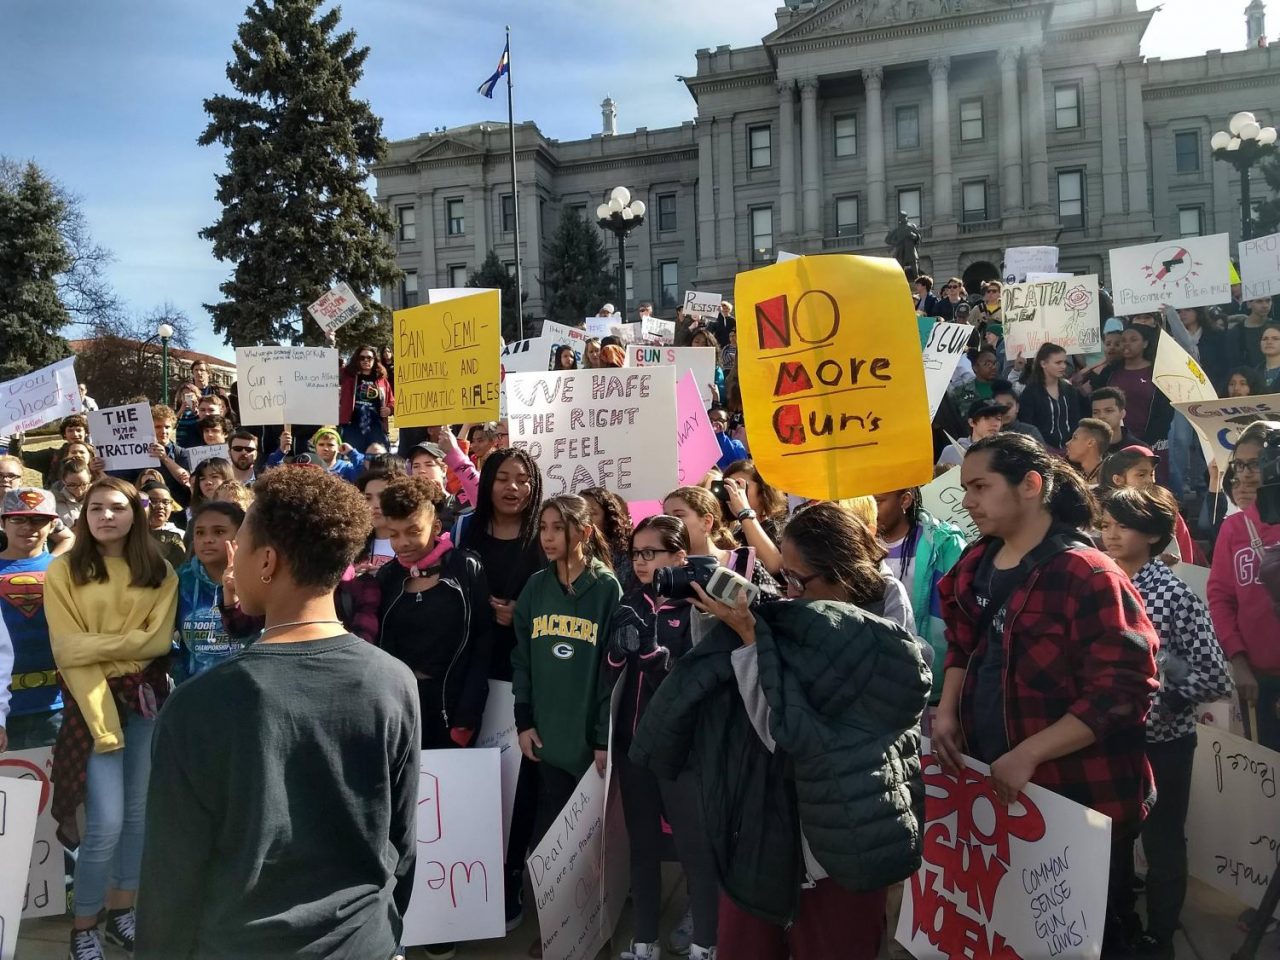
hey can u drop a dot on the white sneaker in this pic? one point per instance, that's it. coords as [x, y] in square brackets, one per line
[679, 939]
[702, 953]
[642, 951]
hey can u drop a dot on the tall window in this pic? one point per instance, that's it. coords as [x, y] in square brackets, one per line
[1071, 198]
[846, 131]
[510, 267]
[908, 123]
[508, 213]
[1186, 151]
[578, 210]
[1066, 106]
[666, 212]
[630, 281]
[971, 120]
[758, 139]
[409, 289]
[407, 224]
[973, 196]
[457, 274]
[1190, 221]
[668, 275]
[847, 217]
[453, 213]
[909, 203]
[762, 234]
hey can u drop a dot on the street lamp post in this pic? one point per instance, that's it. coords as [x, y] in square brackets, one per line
[164, 331]
[621, 215]
[1247, 143]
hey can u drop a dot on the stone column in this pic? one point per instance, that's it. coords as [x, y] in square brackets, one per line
[1136, 129]
[872, 79]
[943, 203]
[787, 157]
[1112, 174]
[1036, 133]
[531, 240]
[706, 192]
[1010, 132]
[724, 189]
[480, 221]
[809, 155]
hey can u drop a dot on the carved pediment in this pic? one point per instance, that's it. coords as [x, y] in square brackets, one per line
[851, 16]
[447, 148]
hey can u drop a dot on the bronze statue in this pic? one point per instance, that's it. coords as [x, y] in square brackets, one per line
[903, 241]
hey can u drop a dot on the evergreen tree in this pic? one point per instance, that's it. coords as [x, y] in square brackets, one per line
[296, 216]
[577, 277]
[1268, 217]
[33, 255]
[493, 275]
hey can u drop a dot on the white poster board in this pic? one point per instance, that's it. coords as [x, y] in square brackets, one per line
[1191, 272]
[46, 881]
[441, 294]
[39, 397]
[1026, 880]
[123, 436]
[943, 498]
[498, 732]
[1238, 853]
[1259, 267]
[946, 345]
[628, 332]
[198, 455]
[335, 308]
[702, 304]
[1034, 276]
[1064, 312]
[654, 328]
[598, 428]
[281, 385]
[1181, 378]
[700, 361]
[599, 326]
[1220, 422]
[526, 356]
[19, 810]
[458, 889]
[1020, 262]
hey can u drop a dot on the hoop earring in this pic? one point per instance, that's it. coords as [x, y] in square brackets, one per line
[265, 579]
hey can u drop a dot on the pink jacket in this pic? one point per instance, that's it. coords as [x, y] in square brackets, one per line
[1243, 615]
[460, 466]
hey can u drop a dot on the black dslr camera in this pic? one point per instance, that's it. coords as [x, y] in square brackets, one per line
[676, 583]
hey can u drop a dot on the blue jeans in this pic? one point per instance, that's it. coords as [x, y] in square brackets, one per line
[1186, 459]
[115, 817]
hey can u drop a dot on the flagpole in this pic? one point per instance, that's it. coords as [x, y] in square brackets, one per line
[515, 194]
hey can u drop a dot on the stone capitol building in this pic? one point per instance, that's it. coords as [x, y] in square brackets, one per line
[990, 123]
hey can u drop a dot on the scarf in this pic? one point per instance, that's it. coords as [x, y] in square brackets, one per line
[429, 565]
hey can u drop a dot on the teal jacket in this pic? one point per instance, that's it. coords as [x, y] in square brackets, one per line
[938, 547]
[201, 640]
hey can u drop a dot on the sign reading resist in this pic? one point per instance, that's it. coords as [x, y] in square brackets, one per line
[701, 304]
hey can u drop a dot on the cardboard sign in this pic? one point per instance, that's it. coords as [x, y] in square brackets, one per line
[1064, 312]
[19, 810]
[943, 498]
[198, 455]
[832, 384]
[700, 361]
[1021, 261]
[697, 449]
[946, 345]
[447, 367]
[1239, 853]
[458, 882]
[498, 732]
[705, 305]
[1220, 422]
[1191, 272]
[335, 308]
[1004, 881]
[39, 397]
[45, 894]
[598, 428]
[663, 331]
[1181, 378]
[123, 436]
[280, 385]
[526, 356]
[628, 332]
[1259, 268]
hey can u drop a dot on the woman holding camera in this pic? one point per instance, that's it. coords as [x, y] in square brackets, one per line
[814, 810]
[648, 634]
[699, 510]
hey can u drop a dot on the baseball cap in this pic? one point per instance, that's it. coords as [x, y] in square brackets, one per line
[434, 449]
[29, 502]
[607, 306]
[986, 408]
[996, 328]
[1140, 451]
[1113, 325]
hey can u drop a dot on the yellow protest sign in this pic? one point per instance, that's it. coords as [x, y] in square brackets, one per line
[832, 382]
[1232, 272]
[447, 361]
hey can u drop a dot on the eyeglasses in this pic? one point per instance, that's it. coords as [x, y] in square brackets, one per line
[646, 555]
[30, 522]
[152, 503]
[1253, 466]
[244, 449]
[10, 477]
[367, 356]
[796, 581]
[723, 421]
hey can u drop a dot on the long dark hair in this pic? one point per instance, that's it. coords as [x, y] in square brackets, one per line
[379, 372]
[483, 514]
[617, 518]
[671, 530]
[840, 548]
[1036, 376]
[572, 509]
[1064, 492]
[1150, 337]
[147, 567]
[573, 357]
[772, 500]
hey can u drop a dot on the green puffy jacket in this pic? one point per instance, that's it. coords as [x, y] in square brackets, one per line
[845, 691]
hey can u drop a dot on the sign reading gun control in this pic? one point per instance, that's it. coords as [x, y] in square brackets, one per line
[287, 385]
[832, 383]
[447, 367]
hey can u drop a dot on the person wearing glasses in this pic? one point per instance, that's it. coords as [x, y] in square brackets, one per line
[68, 492]
[243, 447]
[989, 308]
[60, 538]
[952, 294]
[365, 400]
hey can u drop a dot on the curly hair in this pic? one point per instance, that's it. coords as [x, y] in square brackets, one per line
[839, 546]
[402, 497]
[616, 529]
[283, 516]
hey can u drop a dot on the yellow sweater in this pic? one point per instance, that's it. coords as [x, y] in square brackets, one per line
[101, 630]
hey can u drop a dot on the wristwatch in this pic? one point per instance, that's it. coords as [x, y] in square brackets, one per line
[747, 514]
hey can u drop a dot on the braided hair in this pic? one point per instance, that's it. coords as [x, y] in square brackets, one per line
[483, 515]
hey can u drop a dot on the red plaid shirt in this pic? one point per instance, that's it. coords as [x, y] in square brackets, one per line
[1077, 641]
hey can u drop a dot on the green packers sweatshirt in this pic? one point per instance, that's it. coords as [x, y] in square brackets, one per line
[559, 635]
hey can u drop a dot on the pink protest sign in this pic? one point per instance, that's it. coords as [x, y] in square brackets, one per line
[697, 449]
[643, 510]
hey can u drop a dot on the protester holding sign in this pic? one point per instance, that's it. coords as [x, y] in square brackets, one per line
[1051, 659]
[365, 399]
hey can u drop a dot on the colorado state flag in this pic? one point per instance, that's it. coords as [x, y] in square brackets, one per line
[504, 65]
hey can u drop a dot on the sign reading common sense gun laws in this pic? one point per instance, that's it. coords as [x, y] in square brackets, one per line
[447, 366]
[832, 383]
[281, 385]
[1064, 312]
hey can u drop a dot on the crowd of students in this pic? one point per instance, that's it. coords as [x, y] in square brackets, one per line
[236, 660]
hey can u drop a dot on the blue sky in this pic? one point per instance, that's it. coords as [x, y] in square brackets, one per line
[106, 96]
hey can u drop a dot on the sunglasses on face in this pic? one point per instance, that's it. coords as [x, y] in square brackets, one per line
[244, 449]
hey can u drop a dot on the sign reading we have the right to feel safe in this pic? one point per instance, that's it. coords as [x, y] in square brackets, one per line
[447, 364]
[832, 383]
